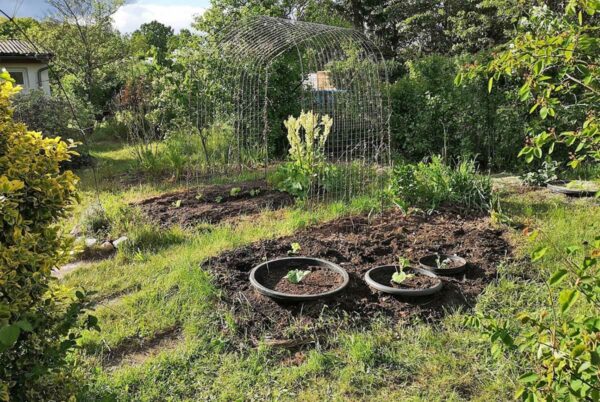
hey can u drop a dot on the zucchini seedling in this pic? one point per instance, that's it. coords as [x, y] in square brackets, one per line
[400, 276]
[296, 276]
[442, 264]
[295, 248]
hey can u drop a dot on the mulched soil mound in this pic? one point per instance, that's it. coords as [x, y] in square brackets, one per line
[357, 244]
[213, 204]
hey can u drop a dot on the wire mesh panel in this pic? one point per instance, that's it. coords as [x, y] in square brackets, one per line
[272, 68]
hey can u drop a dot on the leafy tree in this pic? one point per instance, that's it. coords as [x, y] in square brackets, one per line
[8, 30]
[432, 115]
[224, 12]
[38, 320]
[86, 47]
[153, 37]
[180, 40]
[445, 27]
[557, 55]
[331, 12]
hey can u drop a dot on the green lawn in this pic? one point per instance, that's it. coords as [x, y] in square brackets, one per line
[159, 291]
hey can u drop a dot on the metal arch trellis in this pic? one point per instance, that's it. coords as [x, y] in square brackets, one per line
[336, 71]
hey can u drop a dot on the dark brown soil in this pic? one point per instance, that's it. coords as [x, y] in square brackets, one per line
[213, 204]
[416, 281]
[357, 244]
[319, 280]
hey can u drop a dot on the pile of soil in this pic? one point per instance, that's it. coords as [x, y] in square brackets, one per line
[358, 244]
[320, 280]
[213, 204]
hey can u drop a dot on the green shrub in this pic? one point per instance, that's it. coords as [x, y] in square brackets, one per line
[432, 115]
[542, 175]
[51, 116]
[561, 341]
[37, 320]
[41, 112]
[436, 184]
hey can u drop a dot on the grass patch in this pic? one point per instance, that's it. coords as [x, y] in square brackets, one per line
[162, 287]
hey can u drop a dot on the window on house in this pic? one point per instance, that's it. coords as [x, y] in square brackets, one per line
[19, 77]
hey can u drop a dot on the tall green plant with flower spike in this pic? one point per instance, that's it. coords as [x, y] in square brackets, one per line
[307, 136]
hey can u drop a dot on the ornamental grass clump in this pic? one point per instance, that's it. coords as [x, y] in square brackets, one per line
[436, 184]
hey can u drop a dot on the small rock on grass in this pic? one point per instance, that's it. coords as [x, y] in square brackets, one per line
[107, 246]
[120, 240]
[90, 242]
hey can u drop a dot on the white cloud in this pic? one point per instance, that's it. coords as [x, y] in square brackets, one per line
[129, 17]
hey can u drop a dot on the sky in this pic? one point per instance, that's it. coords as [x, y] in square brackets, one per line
[175, 13]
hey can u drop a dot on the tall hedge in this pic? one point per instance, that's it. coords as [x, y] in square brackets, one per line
[432, 115]
[37, 317]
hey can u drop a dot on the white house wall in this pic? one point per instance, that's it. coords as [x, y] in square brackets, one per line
[32, 75]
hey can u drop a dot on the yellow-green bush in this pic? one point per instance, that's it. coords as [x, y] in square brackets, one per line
[37, 318]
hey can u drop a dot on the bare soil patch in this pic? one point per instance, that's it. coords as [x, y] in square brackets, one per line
[213, 204]
[357, 244]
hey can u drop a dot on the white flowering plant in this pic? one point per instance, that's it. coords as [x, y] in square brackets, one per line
[307, 136]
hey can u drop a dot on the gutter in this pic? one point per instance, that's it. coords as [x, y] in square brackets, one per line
[39, 76]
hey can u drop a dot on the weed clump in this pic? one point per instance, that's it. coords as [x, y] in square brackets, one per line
[94, 221]
[539, 178]
[436, 184]
[148, 238]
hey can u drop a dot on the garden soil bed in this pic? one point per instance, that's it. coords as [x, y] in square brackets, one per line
[212, 204]
[357, 244]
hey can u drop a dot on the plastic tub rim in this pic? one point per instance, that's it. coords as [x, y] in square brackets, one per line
[303, 297]
[403, 292]
[444, 271]
[559, 186]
